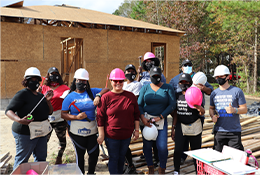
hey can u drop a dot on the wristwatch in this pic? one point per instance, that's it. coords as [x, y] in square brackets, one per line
[98, 95]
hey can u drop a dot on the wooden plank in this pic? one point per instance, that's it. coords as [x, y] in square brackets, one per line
[5, 161]
[4, 156]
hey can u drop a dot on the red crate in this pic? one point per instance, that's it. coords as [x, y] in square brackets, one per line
[205, 169]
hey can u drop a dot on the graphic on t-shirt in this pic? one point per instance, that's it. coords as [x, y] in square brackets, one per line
[182, 108]
[221, 102]
[84, 131]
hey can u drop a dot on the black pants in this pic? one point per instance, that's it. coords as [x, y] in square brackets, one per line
[186, 144]
[195, 143]
[90, 144]
[60, 129]
[232, 139]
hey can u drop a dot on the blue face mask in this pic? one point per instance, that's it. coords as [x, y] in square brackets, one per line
[187, 69]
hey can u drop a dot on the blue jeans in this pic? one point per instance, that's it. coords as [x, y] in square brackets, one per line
[116, 150]
[25, 147]
[161, 143]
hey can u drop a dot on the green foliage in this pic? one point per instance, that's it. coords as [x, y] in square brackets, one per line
[125, 9]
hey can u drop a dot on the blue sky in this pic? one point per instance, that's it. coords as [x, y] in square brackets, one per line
[107, 6]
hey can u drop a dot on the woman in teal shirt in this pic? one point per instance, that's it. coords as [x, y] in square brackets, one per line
[156, 100]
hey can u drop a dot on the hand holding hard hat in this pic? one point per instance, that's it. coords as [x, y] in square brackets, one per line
[150, 133]
[193, 96]
[199, 80]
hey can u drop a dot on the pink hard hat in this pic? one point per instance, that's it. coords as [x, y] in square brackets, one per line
[117, 74]
[148, 55]
[193, 96]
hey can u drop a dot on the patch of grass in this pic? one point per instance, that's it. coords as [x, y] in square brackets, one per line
[68, 157]
[257, 94]
[215, 85]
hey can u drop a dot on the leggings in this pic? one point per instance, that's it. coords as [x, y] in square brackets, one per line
[60, 129]
[195, 143]
[83, 144]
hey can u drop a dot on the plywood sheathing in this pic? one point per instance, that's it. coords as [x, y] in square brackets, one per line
[19, 41]
[79, 15]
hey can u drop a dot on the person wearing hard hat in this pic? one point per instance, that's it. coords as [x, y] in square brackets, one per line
[150, 60]
[132, 86]
[78, 109]
[29, 136]
[156, 101]
[117, 119]
[226, 103]
[205, 89]
[185, 116]
[53, 81]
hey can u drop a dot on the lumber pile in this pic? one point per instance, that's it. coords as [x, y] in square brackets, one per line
[4, 158]
[250, 139]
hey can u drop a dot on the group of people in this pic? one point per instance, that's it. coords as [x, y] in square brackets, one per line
[94, 115]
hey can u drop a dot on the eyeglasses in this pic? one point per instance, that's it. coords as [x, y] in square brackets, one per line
[185, 65]
[116, 81]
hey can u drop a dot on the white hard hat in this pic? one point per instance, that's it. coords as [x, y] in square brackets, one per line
[221, 70]
[31, 72]
[81, 74]
[199, 77]
[150, 133]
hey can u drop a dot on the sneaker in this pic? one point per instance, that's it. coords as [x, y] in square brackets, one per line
[175, 173]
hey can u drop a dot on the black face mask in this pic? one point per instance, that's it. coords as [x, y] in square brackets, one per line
[221, 81]
[130, 77]
[81, 86]
[156, 80]
[33, 85]
[184, 87]
[54, 78]
[149, 65]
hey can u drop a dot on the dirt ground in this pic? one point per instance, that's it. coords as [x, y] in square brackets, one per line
[7, 143]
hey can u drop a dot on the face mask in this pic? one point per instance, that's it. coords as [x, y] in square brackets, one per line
[187, 69]
[54, 78]
[184, 87]
[130, 77]
[221, 81]
[81, 86]
[33, 85]
[156, 80]
[149, 65]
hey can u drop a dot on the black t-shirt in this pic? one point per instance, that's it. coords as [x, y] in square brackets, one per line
[186, 115]
[22, 103]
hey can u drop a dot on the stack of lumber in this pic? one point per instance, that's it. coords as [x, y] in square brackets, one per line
[4, 158]
[250, 139]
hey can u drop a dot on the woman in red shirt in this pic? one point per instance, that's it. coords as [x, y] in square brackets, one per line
[54, 82]
[117, 119]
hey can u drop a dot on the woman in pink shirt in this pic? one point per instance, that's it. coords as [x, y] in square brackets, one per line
[117, 119]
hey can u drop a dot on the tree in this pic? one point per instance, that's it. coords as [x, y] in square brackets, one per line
[233, 30]
[125, 9]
